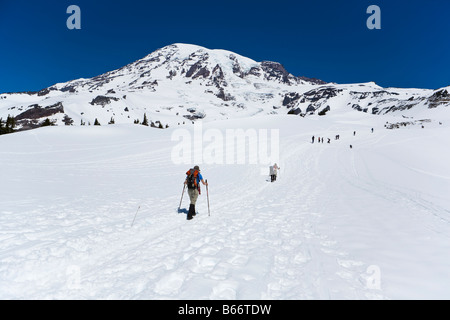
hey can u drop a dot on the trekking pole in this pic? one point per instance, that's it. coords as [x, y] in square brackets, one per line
[135, 215]
[184, 187]
[207, 196]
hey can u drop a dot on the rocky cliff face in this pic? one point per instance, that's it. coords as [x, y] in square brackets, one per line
[368, 98]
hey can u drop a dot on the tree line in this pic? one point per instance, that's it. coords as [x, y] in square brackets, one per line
[8, 125]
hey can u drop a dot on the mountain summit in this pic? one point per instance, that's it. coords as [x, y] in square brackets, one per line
[183, 82]
[186, 62]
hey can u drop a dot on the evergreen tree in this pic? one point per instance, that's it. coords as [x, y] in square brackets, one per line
[46, 123]
[111, 121]
[8, 126]
[145, 121]
[68, 121]
[1, 126]
[96, 123]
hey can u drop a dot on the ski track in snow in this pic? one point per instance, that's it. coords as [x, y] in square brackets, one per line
[70, 236]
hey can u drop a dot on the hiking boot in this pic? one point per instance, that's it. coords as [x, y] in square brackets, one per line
[191, 212]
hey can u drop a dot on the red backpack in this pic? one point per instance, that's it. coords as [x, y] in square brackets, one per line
[191, 179]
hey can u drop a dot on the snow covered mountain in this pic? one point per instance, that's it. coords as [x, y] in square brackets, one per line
[181, 82]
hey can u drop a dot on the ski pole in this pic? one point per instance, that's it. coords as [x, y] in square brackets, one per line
[207, 196]
[181, 197]
[135, 215]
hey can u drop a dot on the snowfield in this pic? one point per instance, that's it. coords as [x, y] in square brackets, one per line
[368, 222]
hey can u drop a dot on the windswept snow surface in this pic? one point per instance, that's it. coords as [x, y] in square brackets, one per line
[371, 222]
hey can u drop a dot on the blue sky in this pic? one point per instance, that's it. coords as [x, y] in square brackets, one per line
[328, 40]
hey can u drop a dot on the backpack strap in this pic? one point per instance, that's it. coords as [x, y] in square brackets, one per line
[196, 177]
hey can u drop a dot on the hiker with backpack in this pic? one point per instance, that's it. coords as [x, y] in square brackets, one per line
[273, 172]
[193, 179]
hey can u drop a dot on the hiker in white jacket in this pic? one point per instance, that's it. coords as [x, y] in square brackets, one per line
[273, 172]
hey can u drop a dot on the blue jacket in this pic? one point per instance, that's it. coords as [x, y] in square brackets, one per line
[199, 178]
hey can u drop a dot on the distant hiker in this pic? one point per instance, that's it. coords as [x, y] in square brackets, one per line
[312, 139]
[193, 178]
[372, 130]
[329, 140]
[354, 133]
[351, 147]
[273, 172]
[337, 137]
[321, 140]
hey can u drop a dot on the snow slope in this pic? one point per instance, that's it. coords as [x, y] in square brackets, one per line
[371, 222]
